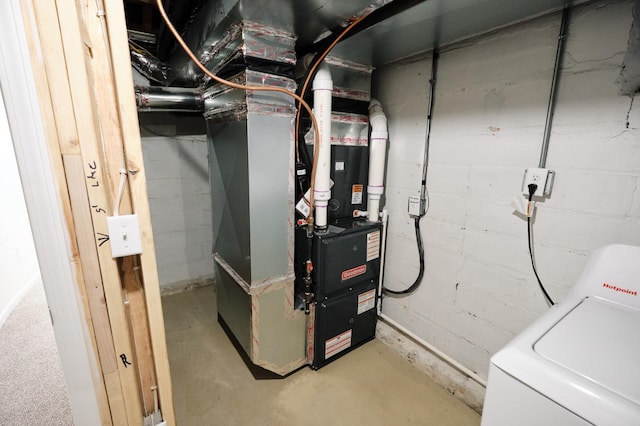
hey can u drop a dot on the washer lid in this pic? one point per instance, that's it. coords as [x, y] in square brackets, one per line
[600, 341]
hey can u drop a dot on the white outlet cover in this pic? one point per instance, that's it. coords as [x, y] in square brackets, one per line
[537, 176]
[124, 235]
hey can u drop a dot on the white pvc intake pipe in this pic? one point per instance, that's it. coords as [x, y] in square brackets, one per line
[377, 155]
[322, 88]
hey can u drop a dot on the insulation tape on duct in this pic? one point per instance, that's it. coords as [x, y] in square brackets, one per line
[150, 66]
[223, 103]
[168, 99]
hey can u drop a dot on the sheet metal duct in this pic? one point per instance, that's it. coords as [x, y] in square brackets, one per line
[307, 19]
[149, 66]
[251, 156]
[168, 99]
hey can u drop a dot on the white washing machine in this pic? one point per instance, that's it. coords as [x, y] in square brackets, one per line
[579, 364]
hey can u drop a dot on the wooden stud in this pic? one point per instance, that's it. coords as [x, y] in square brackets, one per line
[84, 230]
[95, 124]
[53, 133]
[113, 152]
[51, 45]
[78, 50]
[137, 314]
[121, 63]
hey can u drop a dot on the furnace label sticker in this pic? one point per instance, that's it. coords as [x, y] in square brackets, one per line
[356, 194]
[353, 272]
[303, 206]
[337, 344]
[366, 301]
[373, 245]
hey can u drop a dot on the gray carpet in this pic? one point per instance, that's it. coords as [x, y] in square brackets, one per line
[32, 388]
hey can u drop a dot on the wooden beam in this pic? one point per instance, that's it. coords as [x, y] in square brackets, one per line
[55, 135]
[137, 314]
[114, 161]
[121, 63]
[88, 92]
[84, 231]
[78, 51]
[56, 72]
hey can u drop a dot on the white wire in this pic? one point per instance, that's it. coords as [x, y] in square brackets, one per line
[123, 181]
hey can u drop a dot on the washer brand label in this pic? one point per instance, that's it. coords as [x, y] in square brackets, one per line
[354, 272]
[617, 289]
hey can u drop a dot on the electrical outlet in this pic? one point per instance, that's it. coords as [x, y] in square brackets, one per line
[543, 178]
[124, 235]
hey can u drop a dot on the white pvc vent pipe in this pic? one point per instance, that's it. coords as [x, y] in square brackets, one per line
[377, 155]
[322, 88]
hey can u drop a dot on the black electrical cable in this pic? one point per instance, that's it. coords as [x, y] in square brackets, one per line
[418, 280]
[532, 190]
[423, 189]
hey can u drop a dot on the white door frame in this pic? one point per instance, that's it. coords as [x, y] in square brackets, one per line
[48, 224]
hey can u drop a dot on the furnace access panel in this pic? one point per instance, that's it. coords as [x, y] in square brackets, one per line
[347, 269]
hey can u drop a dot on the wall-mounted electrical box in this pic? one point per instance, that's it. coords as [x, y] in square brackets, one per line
[543, 178]
[124, 235]
[416, 207]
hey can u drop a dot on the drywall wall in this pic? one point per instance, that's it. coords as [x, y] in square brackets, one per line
[488, 119]
[18, 262]
[176, 163]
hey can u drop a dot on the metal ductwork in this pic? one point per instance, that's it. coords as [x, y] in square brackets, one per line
[215, 28]
[254, 188]
[251, 152]
[148, 65]
[168, 99]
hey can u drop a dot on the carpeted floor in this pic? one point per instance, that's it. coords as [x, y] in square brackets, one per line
[32, 388]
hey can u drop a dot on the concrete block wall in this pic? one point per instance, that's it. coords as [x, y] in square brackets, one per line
[180, 202]
[490, 104]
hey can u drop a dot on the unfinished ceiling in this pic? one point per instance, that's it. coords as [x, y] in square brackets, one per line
[396, 29]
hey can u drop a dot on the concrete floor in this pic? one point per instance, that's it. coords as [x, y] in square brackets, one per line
[369, 386]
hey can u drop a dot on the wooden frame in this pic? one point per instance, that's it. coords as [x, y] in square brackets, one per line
[80, 58]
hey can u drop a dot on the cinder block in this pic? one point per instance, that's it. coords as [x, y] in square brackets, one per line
[447, 179]
[443, 235]
[593, 192]
[447, 206]
[497, 184]
[494, 217]
[491, 279]
[585, 232]
[443, 263]
[499, 310]
[405, 149]
[599, 31]
[501, 250]
[407, 175]
[590, 98]
[435, 290]
[608, 147]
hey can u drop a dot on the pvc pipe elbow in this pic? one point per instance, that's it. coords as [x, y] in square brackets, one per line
[323, 80]
[378, 120]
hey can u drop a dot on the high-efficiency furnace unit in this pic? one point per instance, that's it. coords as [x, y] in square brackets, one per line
[347, 272]
[293, 288]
